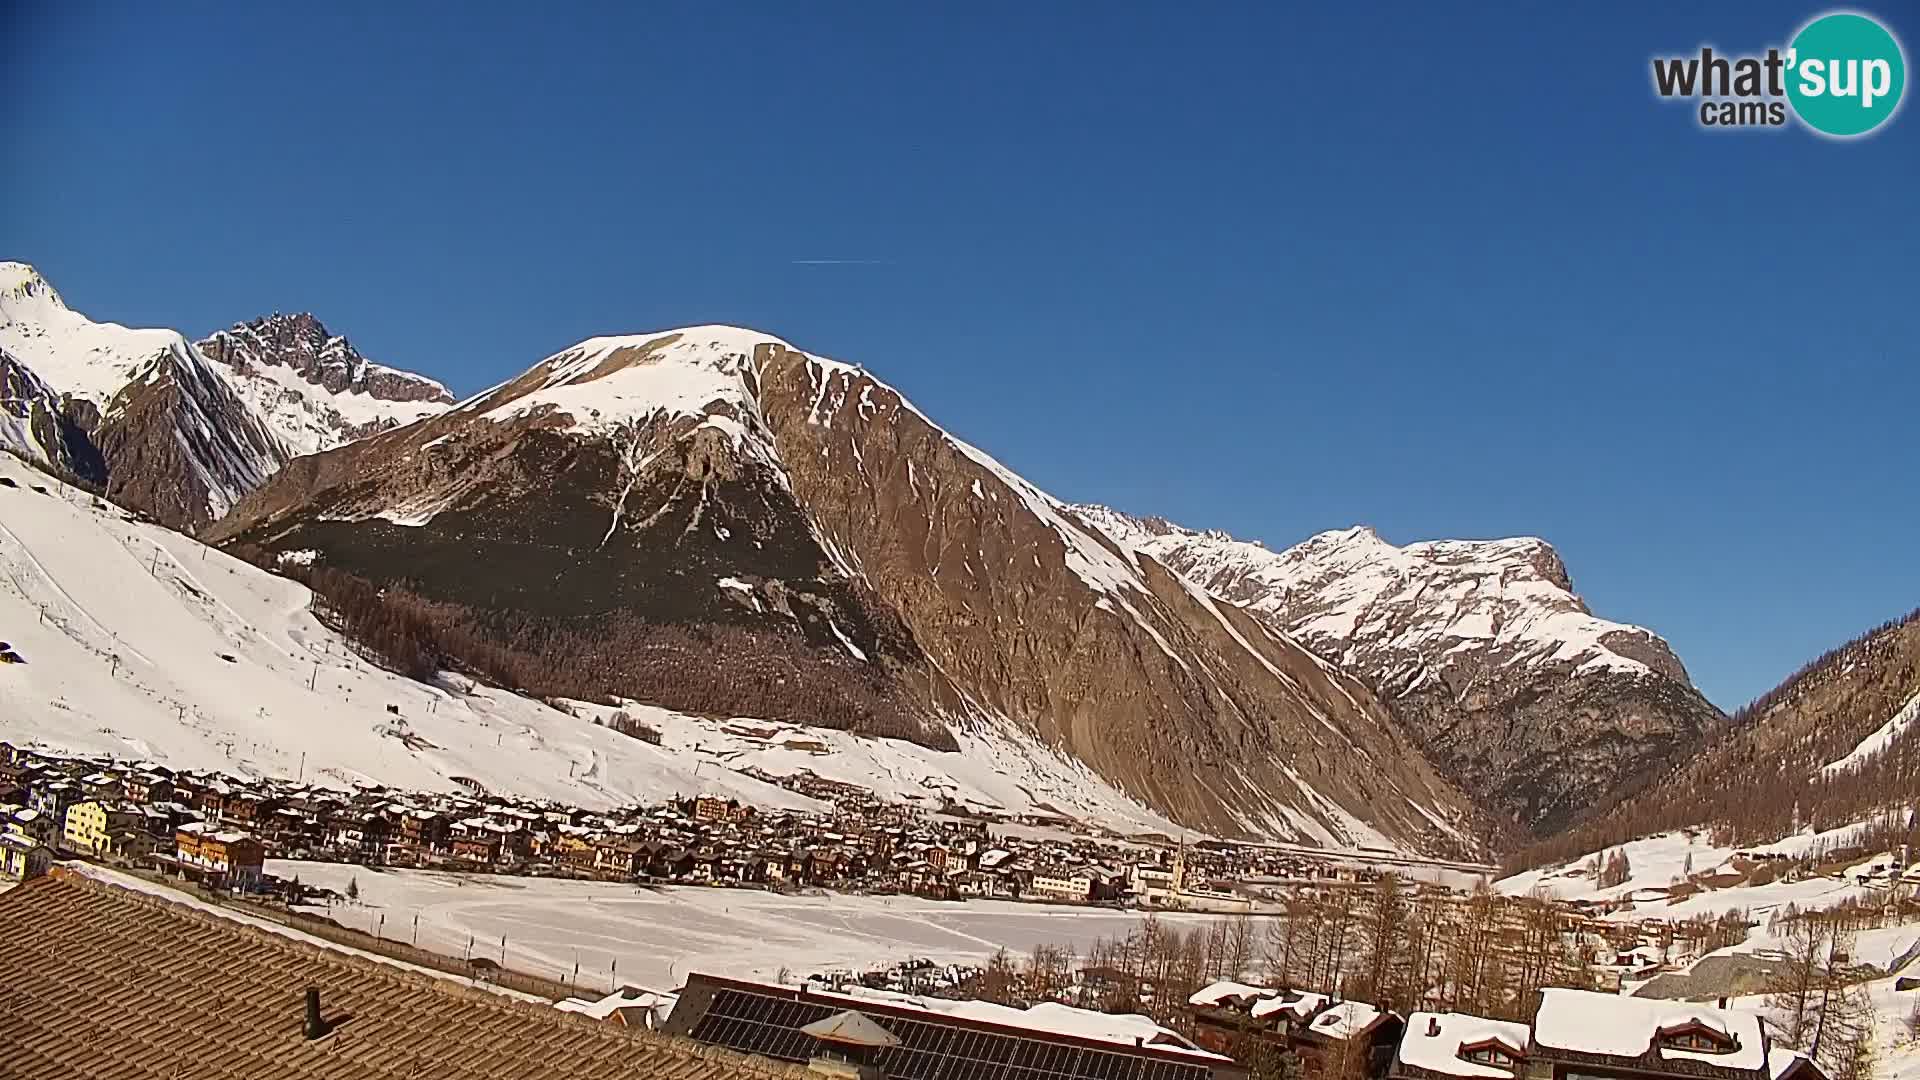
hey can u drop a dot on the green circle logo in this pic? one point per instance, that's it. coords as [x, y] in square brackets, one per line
[1845, 74]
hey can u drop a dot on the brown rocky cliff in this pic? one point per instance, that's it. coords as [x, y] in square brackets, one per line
[1187, 702]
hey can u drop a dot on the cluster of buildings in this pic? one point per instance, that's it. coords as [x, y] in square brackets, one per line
[1573, 1034]
[57, 806]
[220, 828]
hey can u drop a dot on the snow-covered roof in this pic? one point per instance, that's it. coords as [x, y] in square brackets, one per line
[1301, 1004]
[1127, 1030]
[1226, 989]
[1345, 1020]
[1781, 1059]
[625, 997]
[1588, 1023]
[1433, 1041]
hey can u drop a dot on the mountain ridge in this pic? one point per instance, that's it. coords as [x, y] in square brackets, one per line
[315, 387]
[1481, 647]
[1833, 744]
[178, 429]
[854, 541]
[714, 491]
[172, 435]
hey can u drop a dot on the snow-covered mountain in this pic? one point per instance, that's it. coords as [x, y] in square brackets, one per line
[314, 388]
[35, 424]
[182, 430]
[143, 643]
[171, 435]
[1481, 647]
[711, 519]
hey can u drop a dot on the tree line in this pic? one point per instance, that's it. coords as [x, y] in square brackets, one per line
[1389, 944]
[716, 670]
[1817, 999]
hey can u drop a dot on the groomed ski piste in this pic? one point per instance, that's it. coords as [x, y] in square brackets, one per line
[142, 643]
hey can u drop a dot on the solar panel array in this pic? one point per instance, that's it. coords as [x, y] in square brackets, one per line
[928, 1050]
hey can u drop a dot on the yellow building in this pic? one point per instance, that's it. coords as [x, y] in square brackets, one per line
[22, 857]
[91, 825]
[86, 830]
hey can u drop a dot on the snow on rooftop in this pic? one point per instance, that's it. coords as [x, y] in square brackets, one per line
[627, 997]
[1220, 992]
[1434, 1040]
[1345, 1020]
[1127, 1030]
[1301, 1004]
[1780, 1059]
[1590, 1023]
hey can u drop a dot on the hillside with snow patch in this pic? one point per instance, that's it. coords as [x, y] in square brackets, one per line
[1683, 874]
[146, 644]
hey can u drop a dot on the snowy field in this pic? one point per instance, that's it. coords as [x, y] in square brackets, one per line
[145, 644]
[1659, 862]
[658, 935]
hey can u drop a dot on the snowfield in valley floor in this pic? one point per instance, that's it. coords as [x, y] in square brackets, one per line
[657, 935]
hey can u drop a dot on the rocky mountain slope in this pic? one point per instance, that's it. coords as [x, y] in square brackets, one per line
[163, 429]
[35, 424]
[1837, 742]
[1481, 648]
[714, 521]
[314, 389]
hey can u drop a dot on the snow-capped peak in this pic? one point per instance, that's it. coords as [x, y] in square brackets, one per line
[24, 294]
[186, 446]
[314, 388]
[89, 360]
[1351, 594]
[611, 383]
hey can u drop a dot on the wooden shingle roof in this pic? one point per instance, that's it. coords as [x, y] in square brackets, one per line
[102, 982]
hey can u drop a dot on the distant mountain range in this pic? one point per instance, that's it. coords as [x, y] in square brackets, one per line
[1480, 648]
[711, 520]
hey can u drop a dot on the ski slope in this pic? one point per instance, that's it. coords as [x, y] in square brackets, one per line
[146, 644]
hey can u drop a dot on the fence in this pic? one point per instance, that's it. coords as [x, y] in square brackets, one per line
[485, 971]
[480, 971]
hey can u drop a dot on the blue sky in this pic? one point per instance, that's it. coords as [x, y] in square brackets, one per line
[1274, 270]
